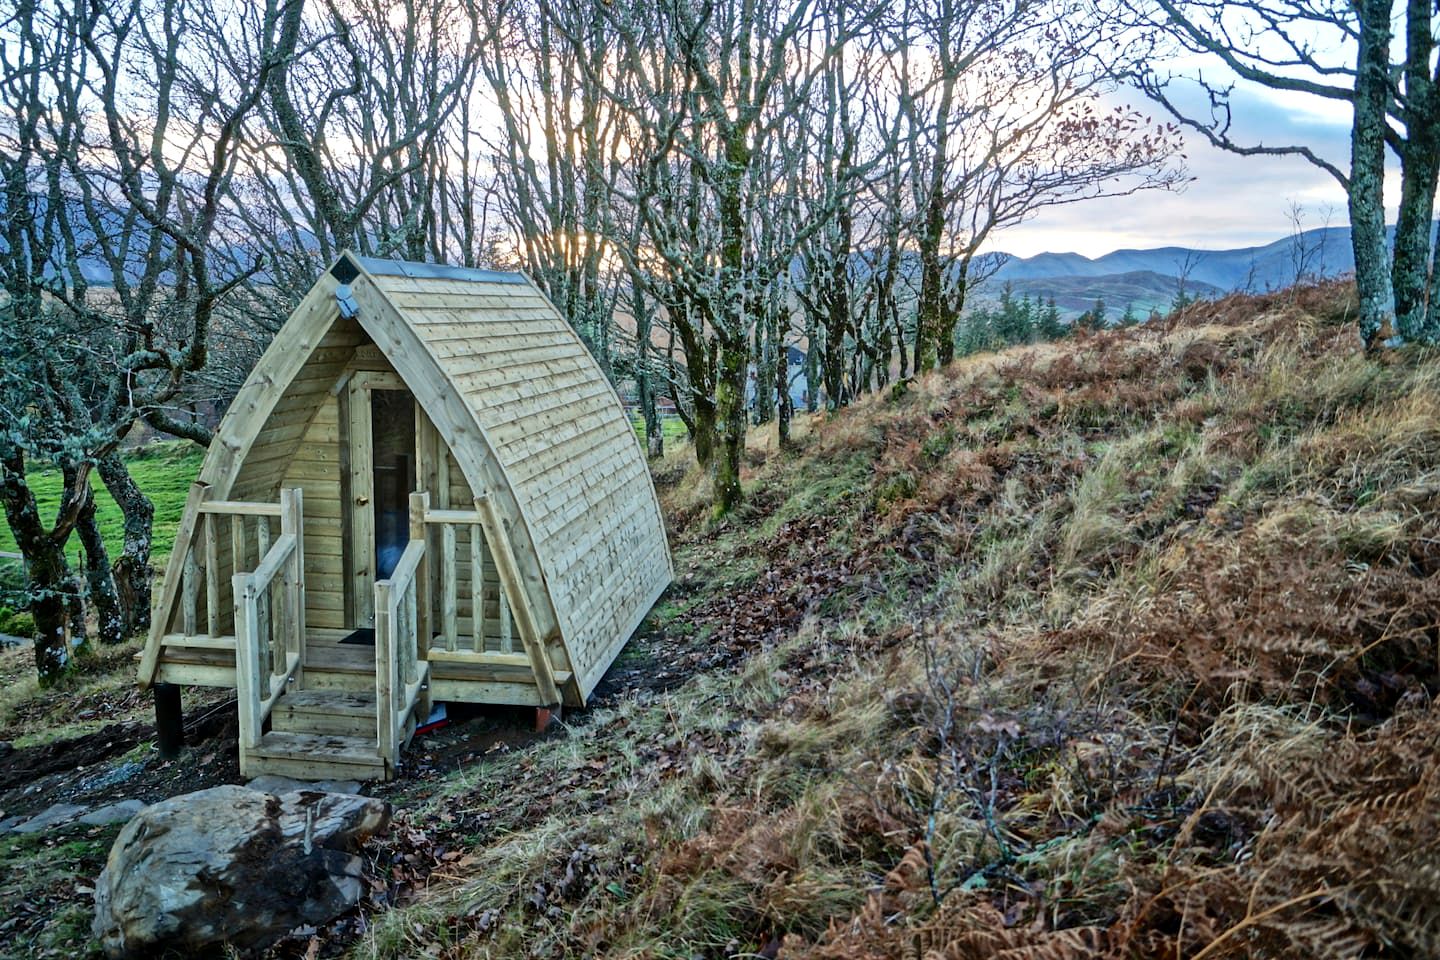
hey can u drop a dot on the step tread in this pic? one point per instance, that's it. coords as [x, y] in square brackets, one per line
[356, 702]
[319, 748]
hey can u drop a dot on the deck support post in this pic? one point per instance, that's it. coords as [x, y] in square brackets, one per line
[169, 720]
[544, 716]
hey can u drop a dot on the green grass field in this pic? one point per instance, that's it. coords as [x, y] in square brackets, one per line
[671, 428]
[163, 470]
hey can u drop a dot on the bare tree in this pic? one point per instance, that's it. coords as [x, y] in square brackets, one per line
[118, 151]
[1004, 118]
[1338, 53]
[557, 153]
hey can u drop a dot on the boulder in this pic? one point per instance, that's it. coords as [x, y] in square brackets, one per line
[54, 816]
[270, 783]
[112, 813]
[232, 866]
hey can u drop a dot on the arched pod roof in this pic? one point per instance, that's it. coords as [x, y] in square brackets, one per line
[527, 414]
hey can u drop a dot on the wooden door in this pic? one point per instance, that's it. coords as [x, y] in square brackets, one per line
[381, 451]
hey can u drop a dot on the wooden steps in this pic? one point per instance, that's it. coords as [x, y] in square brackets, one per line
[319, 735]
[346, 713]
[311, 756]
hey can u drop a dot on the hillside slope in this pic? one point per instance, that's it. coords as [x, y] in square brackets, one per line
[1141, 290]
[1323, 251]
[1119, 647]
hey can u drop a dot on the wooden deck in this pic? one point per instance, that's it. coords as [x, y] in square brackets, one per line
[330, 664]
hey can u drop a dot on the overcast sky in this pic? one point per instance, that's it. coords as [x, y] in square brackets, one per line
[1233, 201]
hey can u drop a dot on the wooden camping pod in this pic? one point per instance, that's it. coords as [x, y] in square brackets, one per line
[425, 490]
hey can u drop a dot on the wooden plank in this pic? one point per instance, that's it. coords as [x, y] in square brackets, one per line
[196, 675]
[362, 517]
[503, 618]
[451, 516]
[384, 673]
[212, 579]
[481, 659]
[324, 749]
[448, 589]
[477, 586]
[189, 600]
[241, 508]
[247, 667]
[504, 558]
[292, 521]
[177, 640]
[238, 559]
[419, 504]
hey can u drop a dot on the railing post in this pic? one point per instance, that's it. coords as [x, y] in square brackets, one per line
[477, 585]
[212, 576]
[384, 672]
[261, 609]
[247, 659]
[190, 588]
[292, 521]
[419, 504]
[449, 586]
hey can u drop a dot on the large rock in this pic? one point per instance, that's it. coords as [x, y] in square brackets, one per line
[232, 866]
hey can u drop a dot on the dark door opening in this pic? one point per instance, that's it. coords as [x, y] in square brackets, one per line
[392, 431]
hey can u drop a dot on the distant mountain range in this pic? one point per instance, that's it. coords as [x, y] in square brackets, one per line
[1151, 278]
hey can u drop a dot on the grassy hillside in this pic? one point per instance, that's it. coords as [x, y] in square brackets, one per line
[1141, 289]
[1120, 647]
[163, 470]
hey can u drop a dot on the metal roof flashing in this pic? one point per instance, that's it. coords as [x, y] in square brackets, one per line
[436, 271]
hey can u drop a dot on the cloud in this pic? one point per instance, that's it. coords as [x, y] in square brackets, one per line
[1233, 201]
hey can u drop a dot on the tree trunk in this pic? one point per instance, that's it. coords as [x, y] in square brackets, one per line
[1433, 318]
[729, 423]
[731, 328]
[765, 351]
[99, 583]
[812, 366]
[702, 432]
[132, 573]
[1419, 166]
[784, 406]
[949, 316]
[644, 384]
[927, 309]
[48, 584]
[1367, 167]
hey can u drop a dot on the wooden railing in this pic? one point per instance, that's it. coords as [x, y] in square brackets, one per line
[269, 620]
[489, 546]
[401, 676]
[445, 525]
[201, 575]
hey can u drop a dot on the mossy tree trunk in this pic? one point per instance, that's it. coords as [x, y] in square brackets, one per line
[1417, 316]
[731, 341]
[132, 573]
[52, 592]
[99, 582]
[1367, 166]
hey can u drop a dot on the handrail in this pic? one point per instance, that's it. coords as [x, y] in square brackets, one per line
[270, 565]
[400, 675]
[404, 572]
[245, 508]
[270, 631]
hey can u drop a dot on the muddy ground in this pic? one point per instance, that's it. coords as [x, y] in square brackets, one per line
[48, 895]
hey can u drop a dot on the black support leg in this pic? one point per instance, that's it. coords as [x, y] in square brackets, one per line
[169, 721]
